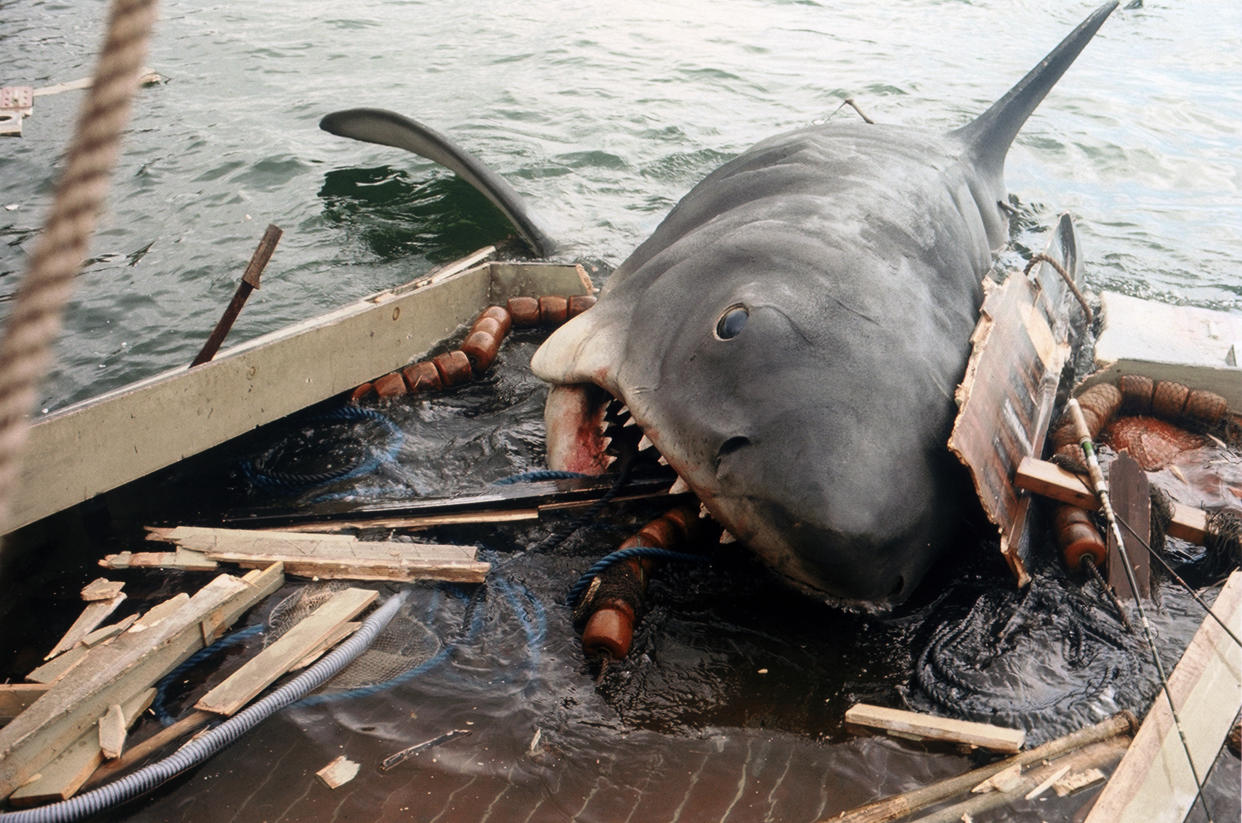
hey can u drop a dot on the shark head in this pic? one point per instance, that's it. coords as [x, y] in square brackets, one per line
[766, 393]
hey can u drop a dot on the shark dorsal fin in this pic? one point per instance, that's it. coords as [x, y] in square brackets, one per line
[989, 135]
[391, 129]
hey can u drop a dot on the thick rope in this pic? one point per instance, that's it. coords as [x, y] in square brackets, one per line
[58, 254]
[1069, 281]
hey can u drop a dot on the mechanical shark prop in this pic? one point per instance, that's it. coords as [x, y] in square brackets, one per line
[790, 336]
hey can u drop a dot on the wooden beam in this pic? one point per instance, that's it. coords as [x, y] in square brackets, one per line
[117, 669]
[263, 669]
[928, 727]
[1131, 497]
[1052, 481]
[65, 774]
[92, 447]
[1153, 782]
[181, 559]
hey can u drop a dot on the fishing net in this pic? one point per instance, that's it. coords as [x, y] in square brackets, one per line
[403, 644]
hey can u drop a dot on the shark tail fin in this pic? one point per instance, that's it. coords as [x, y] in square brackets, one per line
[989, 135]
[390, 129]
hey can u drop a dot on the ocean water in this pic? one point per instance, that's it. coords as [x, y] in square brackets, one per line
[602, 115]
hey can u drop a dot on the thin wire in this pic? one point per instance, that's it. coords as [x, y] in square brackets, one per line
[1155, 554]
[1108, 590]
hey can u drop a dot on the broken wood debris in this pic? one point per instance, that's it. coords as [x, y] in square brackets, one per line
[65, 774]
[325, 556]
[94, 614]
[929, 727]
[16, 697]
[101, 588]
[263, 669]
[337, 773]
[118, 669]
[1119, 726]
[112, 732]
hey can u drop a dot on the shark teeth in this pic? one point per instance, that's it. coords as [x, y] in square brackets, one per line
[680, 486]
[645, 443]
[726, 538]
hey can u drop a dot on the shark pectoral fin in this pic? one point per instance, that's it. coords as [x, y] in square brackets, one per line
[391, 129]
[587, 349]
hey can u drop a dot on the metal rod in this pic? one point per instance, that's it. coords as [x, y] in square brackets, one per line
[1101, 494]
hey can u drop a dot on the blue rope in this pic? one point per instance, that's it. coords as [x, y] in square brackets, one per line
[260, 475]
[159, 704]
[577, 590]
[538, 475]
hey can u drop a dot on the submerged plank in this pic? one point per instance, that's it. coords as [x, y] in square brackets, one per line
[929, 727]
[263, 669]
[92, 447]
[1153, 782]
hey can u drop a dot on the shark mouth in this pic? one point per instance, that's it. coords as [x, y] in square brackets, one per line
[589, 431]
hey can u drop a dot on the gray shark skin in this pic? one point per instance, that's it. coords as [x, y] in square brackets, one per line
[812, 421]
[790, 337]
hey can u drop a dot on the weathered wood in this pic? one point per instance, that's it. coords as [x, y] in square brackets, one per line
[929, 727]
[63, 776]
[903, 805]
[393, 569]
[263, 669]
[1131, 498]
[263, 581]
[59, 666]
[340, 633]
[16, 697]
[117, 669]
[1185, 344]
[91, 447]
[1154, 782]
[337, 773]
[94, 614]
[1095, 755]
[415, 523]
[1050, 480]
[1019, 348]
[111, 630]
[249, 283]
[112, 728]
[161, 611]
[101, 588]
[181, 559]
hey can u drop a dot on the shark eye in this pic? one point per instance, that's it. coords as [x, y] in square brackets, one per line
[732, 322]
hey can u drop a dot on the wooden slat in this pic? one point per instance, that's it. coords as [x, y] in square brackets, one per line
[264, 668]
[1153, 782]
[928, 727]
[91, 447]
[102, 588]
[1050, 480]
[1131, 498]
[59, 666]
[181, 559]
[114, 671]
[112, 728]
[64, 775]
[94, 614]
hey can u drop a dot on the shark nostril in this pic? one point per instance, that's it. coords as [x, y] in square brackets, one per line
[731, 445]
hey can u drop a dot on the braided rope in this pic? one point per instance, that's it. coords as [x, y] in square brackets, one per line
[35, 320]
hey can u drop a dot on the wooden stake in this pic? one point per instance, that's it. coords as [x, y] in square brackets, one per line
[1129, 490]
[249, 282]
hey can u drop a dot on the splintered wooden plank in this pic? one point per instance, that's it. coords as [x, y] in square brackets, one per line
[112, 672]
[94, 614]
[16, 697]
[1153, 782]
[1050, 480]
[337, 773]
[112, 728]
[91, 447]
[330, 556]
[264, 668]
[59, 666]
[1007, 394]
[929, 727]
[181, 559]
[64, 775]
[102, 588]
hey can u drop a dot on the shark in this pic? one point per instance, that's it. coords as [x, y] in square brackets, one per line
[789, 338]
